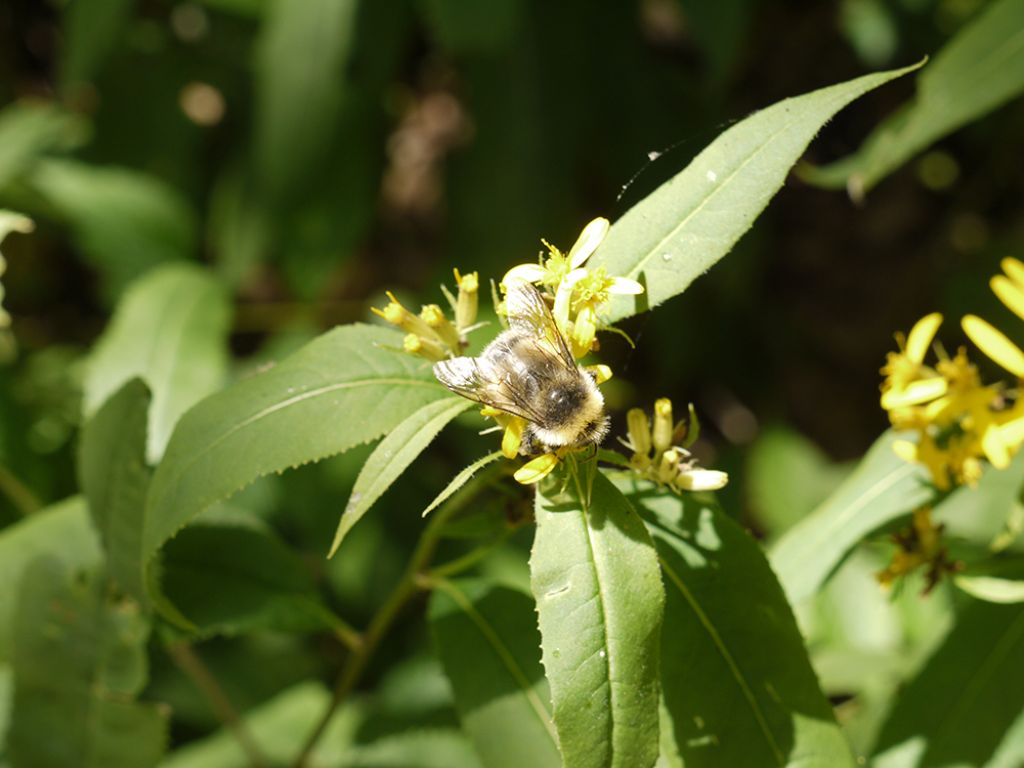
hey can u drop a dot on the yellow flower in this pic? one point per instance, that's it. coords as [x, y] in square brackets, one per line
[919, 544]
[658, 457]
[908, 382]
[578, 292]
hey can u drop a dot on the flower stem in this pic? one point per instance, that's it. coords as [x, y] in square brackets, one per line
[188, 661]
[19, 494]
[407, 587]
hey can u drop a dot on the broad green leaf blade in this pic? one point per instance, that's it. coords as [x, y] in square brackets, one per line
[981, 514]
[259, 582]
[342, 389]
[788, 476]
[169, 329]
[486, 635]
[977, 71]
[30, 129]
[595, 577]
[881, 489]
[393, 456]
[124, 221]
[681, 229]
[735, 674]
[301, 58]
[960, 706]
[114, 478]
[62, 531]
[460, 480]
[79, 662]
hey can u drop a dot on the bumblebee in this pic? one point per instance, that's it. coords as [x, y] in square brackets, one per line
[529, 371]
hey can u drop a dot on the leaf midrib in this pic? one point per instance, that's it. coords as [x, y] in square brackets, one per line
[723, 650]
[504, 655]
[725, 183]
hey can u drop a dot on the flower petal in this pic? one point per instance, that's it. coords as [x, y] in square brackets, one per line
[587, 242]
[1010, 293]
[905, 449]
[915, 393]
[994, 344]
[701, 479]
[600, 372]
[563, 297]
[1014, 268]
[530, 273]
[921, 336]
[536, 469]
[995, 448]
[625, 286]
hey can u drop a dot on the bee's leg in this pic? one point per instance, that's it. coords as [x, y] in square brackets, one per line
[530, 445]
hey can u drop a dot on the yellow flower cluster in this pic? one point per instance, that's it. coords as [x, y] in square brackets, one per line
[579, 293]
[959, 421]
[431, 334]
[661, 450]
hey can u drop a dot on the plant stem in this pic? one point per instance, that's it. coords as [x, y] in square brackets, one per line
[190, 663]
[381, 622]
[20, 495]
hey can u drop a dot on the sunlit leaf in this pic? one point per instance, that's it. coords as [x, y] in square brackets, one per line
[881, 489]
[460, 480]
[680, 230]
[169, 329]
[965, 699]
[124, 221]
[486, 635]
[346, 387]
[79, 663]
[980, 69]
[279, 727]
[393, 456]
[595, 577]
[113, 475]
[788, 476]
[735, 674]
[992, 588]
[62, 531]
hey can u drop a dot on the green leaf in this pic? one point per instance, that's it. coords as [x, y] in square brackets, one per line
[169, 329]
[342, 389]
[279, 727]
[736, 678]
[962, 703]
[980, 69]
[681, 229]
[460, 480]
[881, 489]
[114, 478]
[788, 476]
[301, 58]
[91, 29]
[124, 221]
[30, 129]
[595, 577]
[486, 635]
[427, 748]
[79, 662]
[62, 531]
[393, 456]
[467, 29]
[260, 582]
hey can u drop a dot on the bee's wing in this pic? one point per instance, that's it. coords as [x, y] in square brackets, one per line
[528, 311]
[477, 379]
